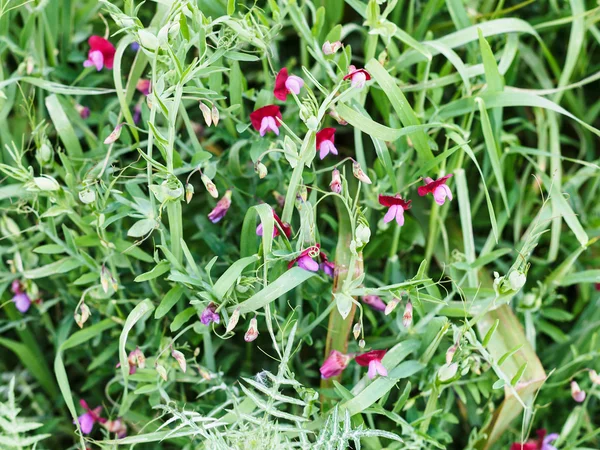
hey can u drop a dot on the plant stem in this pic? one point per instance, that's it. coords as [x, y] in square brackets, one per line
[174, 207]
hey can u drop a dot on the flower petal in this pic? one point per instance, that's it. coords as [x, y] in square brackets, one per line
[391, 213]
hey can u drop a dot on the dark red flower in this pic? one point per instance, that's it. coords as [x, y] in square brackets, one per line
[286, 227]
[264, 119]
[101, 53]
[397, 207]
[325, 139]
[358, 77]
[372, 360]
[438, 188]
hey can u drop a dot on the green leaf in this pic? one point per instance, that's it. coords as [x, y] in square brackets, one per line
[158, 270]
[227, 280]
[181, 318]
[63, 127]
[168, 301]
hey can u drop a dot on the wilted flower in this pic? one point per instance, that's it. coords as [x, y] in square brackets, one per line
[357, 77]
[375, 302]
[286, 227]
[543, 442]
[333, 113]
[252, 332]
[396, 205]
[233, 320]
[325, 139]
[136, 360]
[221, 207]
[89, 418]
[260, 169]
[116, 426]
[84, 111]
[101, 53]
[210, 186]
[206, 113]
[391, 306]
[161, 371]
[577, 394]
[116, 133]
[594, 377]
[326, 266]
[210, 314]
[356, 330]
[334, 365]
[214, 114]
[372, 360]
[189, 192]
[336, 182]
[407, 318]
[284, 84]
[265, 119]
[180, 359]
[359, 173]
[144, 86]
[83, 315]
[329, 48]
[438, 188]
[305, 260]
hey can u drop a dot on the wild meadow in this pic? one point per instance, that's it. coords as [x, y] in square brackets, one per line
[299, 224]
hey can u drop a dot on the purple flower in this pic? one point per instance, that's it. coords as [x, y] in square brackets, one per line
[135, 46]
[22, 302]
[327, 266]
[210, 315]
[89, 418]
[375, 302]
[137, 113]
[221, 208]
[334, 365]
[305, 260]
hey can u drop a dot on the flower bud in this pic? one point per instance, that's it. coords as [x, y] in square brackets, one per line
[112, 137]
[361, 343]
[312, 123]
[447, 372]
[46, 183]
[210, 186]
[359, 174]
[252, 332]
[233, 320]
[577, 394]
[161, 371]
[30, 65]
[363, 233]
[329, 48]
[83, 315]
[391, 306]
[517, 280]
[356, 330]
[450, 353]
[407, 318]
[260, 169]
[204, 374]
[87, 196]
[180, 359]
[189, 192]
[44, 153]
[105, 279]
[147, 40]
[336, 182]
[163, 35]
[594, 377]
[206, 113]
[215, 115]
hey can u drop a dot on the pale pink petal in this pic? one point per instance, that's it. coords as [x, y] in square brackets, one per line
[294, 84]
[264, 126]
[325, 148]
[259, 230]
[372, 372]
[86, 422]
[358, 80]
[428, 180]
[400, 215]
[381, 370]
[448, 192]
[273, 125]
[439, 194]
[389, 216]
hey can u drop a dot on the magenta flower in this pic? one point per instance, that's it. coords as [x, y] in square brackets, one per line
[438, 188]
[84, 111]
[543, 442]
[306, 259]
[21, 299]
[144, 86]
[101, 53]
[284, 84]
[286, 227]
[136, 359]
[372, 360]
[326, 266]
[137, 114]
[265, 119]
[375, 302]
[357, 77]
[334, 365]
[210, 314]
[89, 418]
[221, 207]
[397, 207]
[325, 139]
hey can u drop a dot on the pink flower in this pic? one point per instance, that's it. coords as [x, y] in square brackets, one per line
[89, 418]
[22, 302]
[358, 77]
[373, 359]
[284, 84]
[252, 332]
[375, 302]
[576, 392]
[101, 53]
[286, 227]
[334, 365]
[543, 442]
[326, 266]
[84, 111]
[329, 48]
[136, 359]
[221, 207]
[336, 182]
[325, 139]
[144, 86]
[116, 426]
[438, 188]
[265, 119]
[397, 207]
[210, 314]
[305, 260]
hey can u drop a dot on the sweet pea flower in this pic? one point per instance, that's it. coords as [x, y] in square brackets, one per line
[252, 332]
[357, 77]
[84, 111]
[144, 86]
[265, 119]
[285, 84]
[375, 302]
[305, 260]
[221, 207]
[336, 182]
[576, 392]
[116, 426]
[438, 188]
[329, 48]
[334, 365]
[210, 314]
[372, 360]
[20, 299]
[326, 266]
[89, 418]
[543, 442]
[101, 53]
[325, 139]
[397, 207]
[286, 227]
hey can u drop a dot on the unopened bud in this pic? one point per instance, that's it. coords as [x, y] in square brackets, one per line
[594, 377]
[447, 372]
[189, 192]
[206, 113]
[215, 115]
[336, 182]
[359, 174]
[147, 39]
[116, 133]
[329, 48]
[196, 352]
[252, 332]
[450, 353]
[204, 374]
[46, 183]
[260, 169]
[356, 330]
[30, 65]
[210, 186]
[407, 318]
[180, 359]
[233, 320]
[517, 280]
[161, 371]
[105, 277]
[83, 315]
[361, 343]
[391, 306]
[577, 394]
[87, 196]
